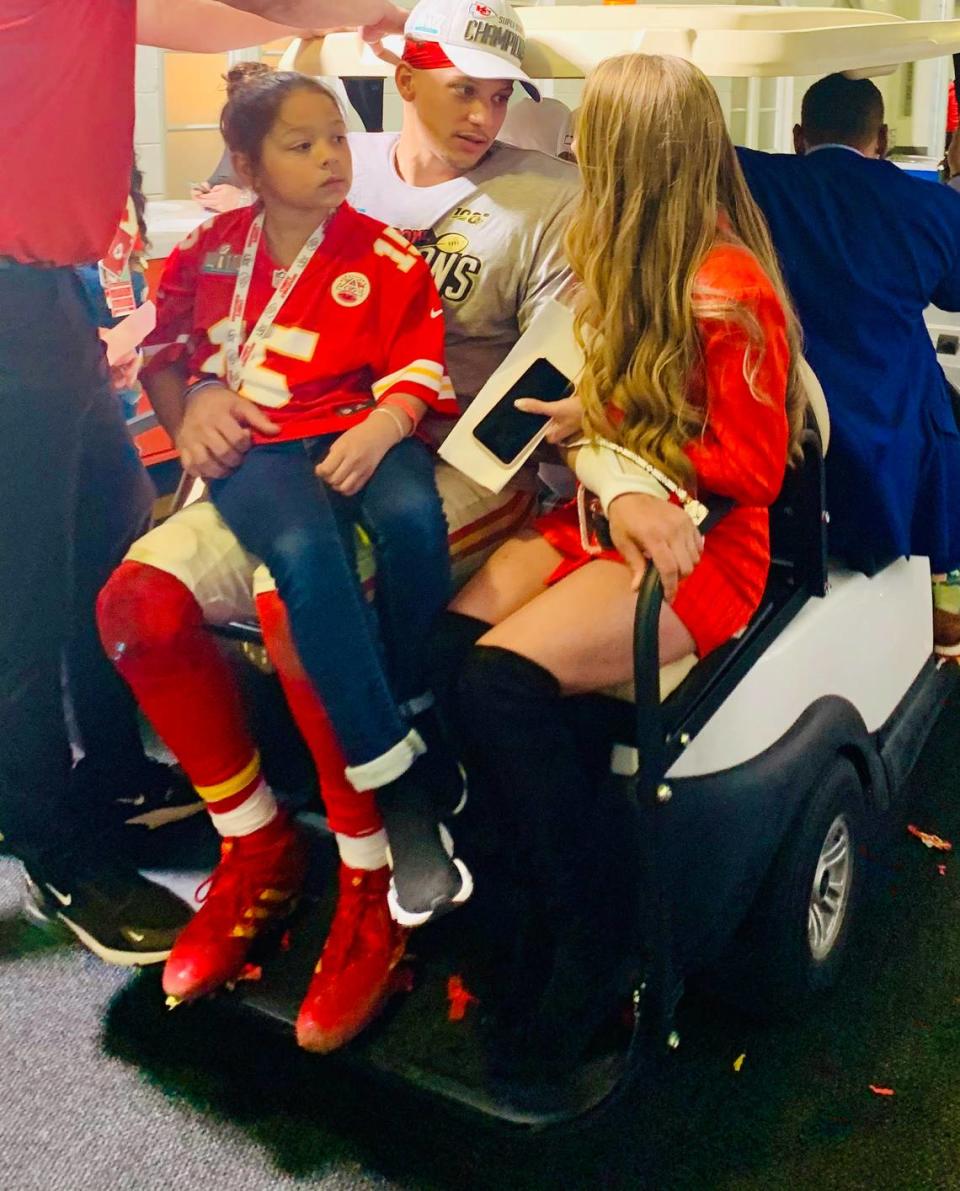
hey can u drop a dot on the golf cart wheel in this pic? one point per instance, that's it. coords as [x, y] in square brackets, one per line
[792, 944]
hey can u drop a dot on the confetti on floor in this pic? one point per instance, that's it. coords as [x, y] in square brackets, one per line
[881, 1091]
[929, 840]
[738, 1062]
[459, 997]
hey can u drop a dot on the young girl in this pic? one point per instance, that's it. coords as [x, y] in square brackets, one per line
[330, 321]
[690, 365]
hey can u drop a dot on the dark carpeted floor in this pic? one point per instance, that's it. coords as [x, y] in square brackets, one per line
[102, 1089]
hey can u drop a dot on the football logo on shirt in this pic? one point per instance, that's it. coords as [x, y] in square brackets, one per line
[223, 261]
[455, 270]
[350, 289]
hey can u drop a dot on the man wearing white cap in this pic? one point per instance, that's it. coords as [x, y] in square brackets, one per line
[489, 219]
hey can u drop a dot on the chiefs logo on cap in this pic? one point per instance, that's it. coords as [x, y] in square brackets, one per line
[481, 11]
[350, 289]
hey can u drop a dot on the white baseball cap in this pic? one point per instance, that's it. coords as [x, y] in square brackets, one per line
[483, 38]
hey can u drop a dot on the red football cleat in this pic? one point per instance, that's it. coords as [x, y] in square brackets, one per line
[254, 885]
[353, 978]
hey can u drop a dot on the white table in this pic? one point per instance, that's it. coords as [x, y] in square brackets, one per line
[169, 221]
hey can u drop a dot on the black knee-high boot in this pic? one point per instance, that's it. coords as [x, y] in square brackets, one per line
[514, 712]
[453, 636]
[451, 642]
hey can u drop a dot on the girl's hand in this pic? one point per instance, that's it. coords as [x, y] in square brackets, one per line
[645, 527]
[222, 198]
[566, 415]
[356, 455]
[216, 431]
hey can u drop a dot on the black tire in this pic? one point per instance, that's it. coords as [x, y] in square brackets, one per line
[776, 967]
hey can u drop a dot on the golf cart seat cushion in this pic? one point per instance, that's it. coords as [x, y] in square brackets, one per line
[671, 676]
[817, 402]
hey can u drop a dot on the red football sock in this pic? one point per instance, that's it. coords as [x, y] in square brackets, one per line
[152, 629]
[348, 812]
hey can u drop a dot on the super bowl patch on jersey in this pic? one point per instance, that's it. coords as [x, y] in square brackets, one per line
[350, 289]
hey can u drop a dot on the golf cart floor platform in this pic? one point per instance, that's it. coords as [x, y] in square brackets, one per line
[431, 1033]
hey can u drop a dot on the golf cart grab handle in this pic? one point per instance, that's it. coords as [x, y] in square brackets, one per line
[648, 732]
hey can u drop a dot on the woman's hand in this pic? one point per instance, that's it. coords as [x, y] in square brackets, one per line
[566, 415]
[356, 455]
[216, 432]
[221, 197]
[645, 527]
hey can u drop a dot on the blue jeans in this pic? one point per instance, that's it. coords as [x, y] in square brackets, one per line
[305, 532]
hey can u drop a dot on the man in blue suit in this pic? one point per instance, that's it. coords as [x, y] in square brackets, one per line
[865, 248]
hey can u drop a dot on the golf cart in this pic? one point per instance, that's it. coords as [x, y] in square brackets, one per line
[748, 780]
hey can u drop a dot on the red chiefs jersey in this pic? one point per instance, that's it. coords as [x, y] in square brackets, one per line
[363, 321]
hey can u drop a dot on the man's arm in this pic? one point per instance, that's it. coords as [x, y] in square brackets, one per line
[207, 26]
[203, 26]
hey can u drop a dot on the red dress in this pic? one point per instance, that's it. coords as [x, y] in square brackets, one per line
[740, 453]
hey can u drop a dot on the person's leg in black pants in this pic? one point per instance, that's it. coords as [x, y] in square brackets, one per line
[49, 366]
[51, 374]
[114, 498]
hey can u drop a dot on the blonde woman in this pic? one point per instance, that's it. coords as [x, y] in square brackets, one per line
[690, 365]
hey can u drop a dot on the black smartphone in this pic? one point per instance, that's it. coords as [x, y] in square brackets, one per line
[505, 431]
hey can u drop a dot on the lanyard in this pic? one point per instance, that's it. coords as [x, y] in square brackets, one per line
[237, 352]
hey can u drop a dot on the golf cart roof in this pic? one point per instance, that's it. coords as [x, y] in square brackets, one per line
[724, 40]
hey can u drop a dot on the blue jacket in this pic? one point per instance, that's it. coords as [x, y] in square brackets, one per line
[864, 249]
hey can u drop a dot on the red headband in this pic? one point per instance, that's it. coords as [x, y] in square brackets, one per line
[425, 55]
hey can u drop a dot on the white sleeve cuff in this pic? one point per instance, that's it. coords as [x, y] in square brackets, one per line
[609, 475]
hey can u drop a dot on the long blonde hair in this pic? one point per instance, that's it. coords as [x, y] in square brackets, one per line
[658, 166]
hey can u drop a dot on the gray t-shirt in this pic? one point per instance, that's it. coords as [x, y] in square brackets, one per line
[493, 239]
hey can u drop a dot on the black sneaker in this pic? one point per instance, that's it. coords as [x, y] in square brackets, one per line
[159, 794]
[114, 912]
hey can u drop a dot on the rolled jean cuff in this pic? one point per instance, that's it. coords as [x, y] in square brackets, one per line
[371, 775]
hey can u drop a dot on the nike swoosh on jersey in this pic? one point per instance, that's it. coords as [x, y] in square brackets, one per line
[435, 313]
[138, 801]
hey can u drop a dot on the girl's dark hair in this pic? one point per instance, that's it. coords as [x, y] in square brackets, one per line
[243, 73]
[252, 108]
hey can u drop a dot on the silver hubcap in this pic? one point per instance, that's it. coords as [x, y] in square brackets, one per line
[831, 889]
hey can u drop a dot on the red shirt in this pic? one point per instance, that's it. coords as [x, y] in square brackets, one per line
[363, 321]
[66, 95]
